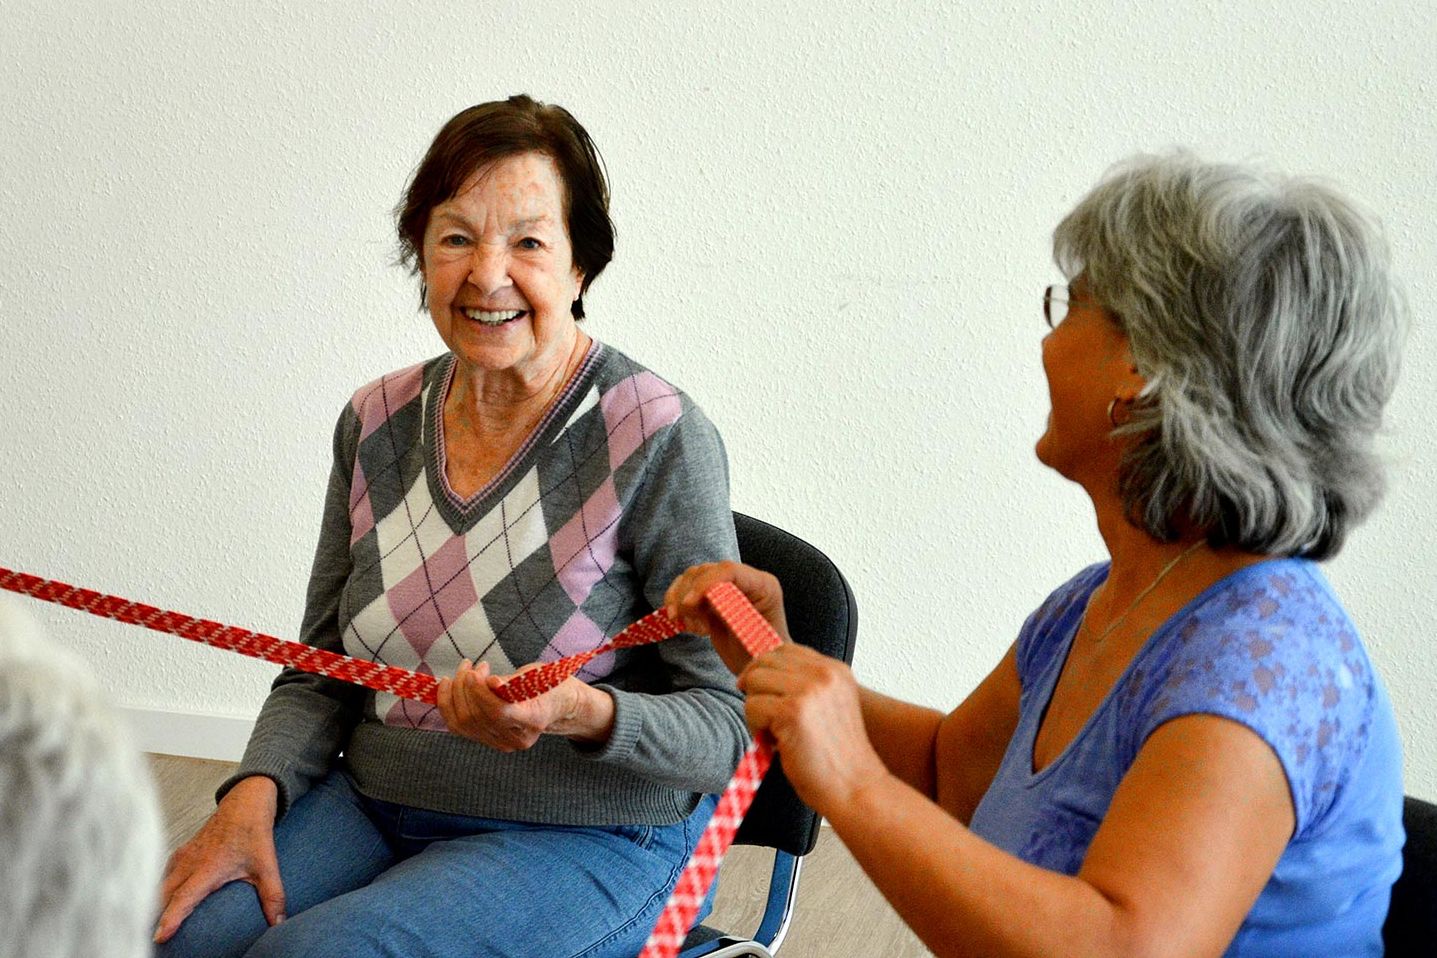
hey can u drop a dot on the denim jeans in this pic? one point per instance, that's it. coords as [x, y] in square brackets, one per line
[365, 878]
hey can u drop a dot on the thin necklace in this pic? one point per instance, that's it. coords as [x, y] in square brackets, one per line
[1143, 594]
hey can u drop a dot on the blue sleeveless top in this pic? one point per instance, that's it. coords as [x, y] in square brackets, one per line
[1269, 647]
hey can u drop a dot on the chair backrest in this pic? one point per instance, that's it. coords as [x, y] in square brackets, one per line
[821, 614]
[1411, 927]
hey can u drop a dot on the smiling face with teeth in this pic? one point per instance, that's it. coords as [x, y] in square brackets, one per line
[500, 272]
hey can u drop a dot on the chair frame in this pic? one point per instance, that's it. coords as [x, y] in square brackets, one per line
[773, 926]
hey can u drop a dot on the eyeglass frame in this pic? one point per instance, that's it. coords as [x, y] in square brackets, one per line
[1049, 299]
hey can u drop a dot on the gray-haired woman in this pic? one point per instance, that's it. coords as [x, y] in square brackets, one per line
[79, 824]
[1187, 750]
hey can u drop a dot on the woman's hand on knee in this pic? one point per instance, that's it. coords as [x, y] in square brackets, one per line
[686, 605]
[237, 843]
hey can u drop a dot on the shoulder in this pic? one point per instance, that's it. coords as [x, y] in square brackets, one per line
[382, 397]
[1264, 634]
[627, 388]
[395, 394]
[379, 401]
[1271, 648]
[641, 409]
[1044, 632]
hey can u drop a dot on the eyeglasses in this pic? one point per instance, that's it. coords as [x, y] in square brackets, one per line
[1056, 300]
[1055, 304]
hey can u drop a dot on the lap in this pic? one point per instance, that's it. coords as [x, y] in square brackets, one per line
[522, 892]
[437, 885]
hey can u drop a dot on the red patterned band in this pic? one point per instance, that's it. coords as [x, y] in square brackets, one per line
[726, 600]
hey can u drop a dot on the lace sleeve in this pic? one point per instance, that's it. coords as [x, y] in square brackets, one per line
[1277, 654]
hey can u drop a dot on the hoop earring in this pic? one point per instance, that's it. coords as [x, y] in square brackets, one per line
[1113, 409]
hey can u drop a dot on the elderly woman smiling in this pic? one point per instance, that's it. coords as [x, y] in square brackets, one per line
[1187, 750]
[521, 497]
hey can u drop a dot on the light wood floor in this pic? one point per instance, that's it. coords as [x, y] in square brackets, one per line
[839, 911]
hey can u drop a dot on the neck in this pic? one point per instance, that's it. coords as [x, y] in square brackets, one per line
[490, 402]
[1135, 555]
[1137, 559]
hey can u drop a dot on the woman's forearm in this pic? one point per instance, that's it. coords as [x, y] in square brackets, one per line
[904, 735]
[963, 896]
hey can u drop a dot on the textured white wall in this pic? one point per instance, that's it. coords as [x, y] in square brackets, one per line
[833, 231]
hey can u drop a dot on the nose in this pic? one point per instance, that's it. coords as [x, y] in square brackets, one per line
[489, 267]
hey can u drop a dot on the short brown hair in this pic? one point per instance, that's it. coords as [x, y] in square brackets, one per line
[478, 136]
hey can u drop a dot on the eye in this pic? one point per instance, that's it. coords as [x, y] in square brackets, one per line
[454, 240]
[530, 242]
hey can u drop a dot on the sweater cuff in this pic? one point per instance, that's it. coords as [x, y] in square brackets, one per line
[273, 771]
[628, 723]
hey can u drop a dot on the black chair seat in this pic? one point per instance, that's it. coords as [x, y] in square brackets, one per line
[1411, 927]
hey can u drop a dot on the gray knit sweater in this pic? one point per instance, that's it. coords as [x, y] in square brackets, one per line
[622, 486]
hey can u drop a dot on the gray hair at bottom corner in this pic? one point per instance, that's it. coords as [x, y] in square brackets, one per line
[79, 824]
[1263, 314]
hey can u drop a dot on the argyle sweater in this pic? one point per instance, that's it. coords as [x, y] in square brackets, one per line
[621, 487]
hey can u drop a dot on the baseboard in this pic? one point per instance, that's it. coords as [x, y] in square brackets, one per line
[190, 734]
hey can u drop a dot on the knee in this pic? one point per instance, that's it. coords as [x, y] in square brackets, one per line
[197, 940]
[306, 935]
[224, 925]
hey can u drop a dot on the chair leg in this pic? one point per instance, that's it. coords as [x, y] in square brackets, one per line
[774, 925]
[782, 898]
[728, 948]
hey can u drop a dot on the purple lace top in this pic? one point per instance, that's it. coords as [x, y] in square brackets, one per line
[1269, 647]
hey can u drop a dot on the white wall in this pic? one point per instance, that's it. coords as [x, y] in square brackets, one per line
[834, 223]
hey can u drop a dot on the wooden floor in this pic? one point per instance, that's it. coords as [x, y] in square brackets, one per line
[839, 910]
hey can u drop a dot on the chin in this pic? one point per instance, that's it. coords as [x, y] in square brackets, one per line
[1049, 457]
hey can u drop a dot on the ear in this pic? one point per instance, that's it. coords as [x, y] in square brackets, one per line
[1130, 382]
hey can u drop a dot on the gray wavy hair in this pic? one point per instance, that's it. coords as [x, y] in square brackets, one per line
[1261, 311]
[79, 829]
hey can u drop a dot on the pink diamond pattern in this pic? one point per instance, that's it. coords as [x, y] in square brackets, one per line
[580, 634]
[583, 548]
[434, 595]
[634, 410]
[391, 392]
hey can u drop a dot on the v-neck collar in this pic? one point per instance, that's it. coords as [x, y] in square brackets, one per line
[461, 513]
[1032, 777]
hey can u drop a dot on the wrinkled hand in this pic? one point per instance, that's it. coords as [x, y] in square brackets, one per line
[471, 708]
[808, 703]
[686, 605]
[237, 843]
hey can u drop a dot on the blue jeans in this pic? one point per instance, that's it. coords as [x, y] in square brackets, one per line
[365, 878]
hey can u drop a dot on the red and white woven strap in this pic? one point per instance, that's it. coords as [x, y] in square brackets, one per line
[654, 627]
[726, 600]
[531, 683]
[693, 885]
[306, 658]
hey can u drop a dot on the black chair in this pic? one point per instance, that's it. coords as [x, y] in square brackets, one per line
[1411, 928]
[821, 613]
